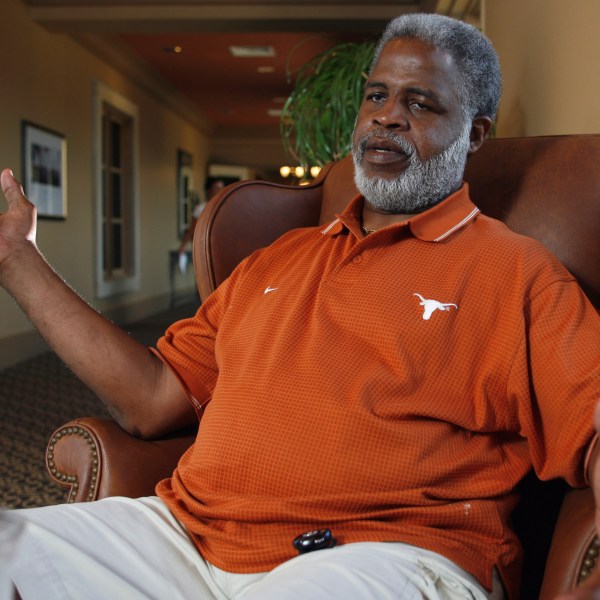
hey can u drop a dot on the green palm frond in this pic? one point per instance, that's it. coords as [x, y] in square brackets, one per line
[318, 117]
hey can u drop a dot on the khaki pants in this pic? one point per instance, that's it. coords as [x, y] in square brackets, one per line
[120, 548]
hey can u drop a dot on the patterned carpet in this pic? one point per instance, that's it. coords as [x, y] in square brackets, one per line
[36, 397]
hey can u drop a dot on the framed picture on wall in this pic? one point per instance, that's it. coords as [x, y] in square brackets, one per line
[45, 170]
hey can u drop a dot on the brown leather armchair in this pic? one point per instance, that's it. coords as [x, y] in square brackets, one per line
[545, 187]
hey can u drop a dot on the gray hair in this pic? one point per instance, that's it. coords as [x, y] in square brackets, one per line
[480, 81]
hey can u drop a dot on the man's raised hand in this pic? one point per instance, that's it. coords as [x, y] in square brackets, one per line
[18, 223]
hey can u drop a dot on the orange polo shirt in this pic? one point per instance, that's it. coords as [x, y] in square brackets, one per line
[393, 387]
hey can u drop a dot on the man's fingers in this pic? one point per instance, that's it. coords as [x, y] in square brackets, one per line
[11, 187]
[19, 221]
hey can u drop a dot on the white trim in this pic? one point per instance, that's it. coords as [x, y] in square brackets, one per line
[101, 94]
[326, 230]
[457, 226]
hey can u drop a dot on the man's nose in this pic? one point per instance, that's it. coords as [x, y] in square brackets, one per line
[391, 116]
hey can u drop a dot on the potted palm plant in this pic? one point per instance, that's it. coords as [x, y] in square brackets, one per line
[318, 117]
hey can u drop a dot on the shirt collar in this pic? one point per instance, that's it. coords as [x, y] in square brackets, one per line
[433, 225]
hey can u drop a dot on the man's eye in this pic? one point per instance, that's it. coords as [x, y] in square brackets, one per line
[376, 96]
[418, 106]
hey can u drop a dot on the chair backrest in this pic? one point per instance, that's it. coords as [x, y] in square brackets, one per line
[545, 187]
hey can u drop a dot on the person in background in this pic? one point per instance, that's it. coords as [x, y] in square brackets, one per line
[213, 186]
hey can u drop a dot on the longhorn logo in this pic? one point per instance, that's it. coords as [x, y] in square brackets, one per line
[429, 306]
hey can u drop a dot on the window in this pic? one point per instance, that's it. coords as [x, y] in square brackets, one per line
[117, 264]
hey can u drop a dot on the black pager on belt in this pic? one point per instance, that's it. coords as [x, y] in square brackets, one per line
[317, 539]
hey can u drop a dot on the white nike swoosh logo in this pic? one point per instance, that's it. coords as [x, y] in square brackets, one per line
[269, 289]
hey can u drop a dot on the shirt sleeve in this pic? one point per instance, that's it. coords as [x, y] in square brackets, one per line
[555, 381]
[188, 346]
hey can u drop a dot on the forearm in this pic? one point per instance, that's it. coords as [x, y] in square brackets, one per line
[590, 589]
[143, 395]
[121, 371]
[593, 474]
[188, 235]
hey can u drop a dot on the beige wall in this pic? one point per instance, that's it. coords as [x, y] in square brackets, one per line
[47, 78]
[549, 51]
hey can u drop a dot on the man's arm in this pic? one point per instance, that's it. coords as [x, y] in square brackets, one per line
[188, 235]
[590, 590]
[142, 393]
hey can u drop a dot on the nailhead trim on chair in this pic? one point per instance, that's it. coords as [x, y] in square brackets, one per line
[72, 479]
[589, 562]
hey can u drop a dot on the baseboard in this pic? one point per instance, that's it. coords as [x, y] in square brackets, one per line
[136, 311]
[15, 348]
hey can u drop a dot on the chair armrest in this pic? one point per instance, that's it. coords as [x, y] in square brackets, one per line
[575, 546]
[95, 458]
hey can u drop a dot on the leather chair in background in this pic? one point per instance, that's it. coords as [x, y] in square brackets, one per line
[544, 187]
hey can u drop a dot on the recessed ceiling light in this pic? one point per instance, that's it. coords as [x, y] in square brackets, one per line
[172, 49]
[265, 69]
[252, 51]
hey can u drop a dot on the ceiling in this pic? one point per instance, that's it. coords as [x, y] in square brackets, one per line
[180, 50]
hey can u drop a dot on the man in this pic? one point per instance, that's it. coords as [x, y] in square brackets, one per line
[213, 187]
[385, 381]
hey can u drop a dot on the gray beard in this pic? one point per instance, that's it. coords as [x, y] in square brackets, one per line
[423, 183]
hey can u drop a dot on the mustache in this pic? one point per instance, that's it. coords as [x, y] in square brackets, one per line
[401, 142]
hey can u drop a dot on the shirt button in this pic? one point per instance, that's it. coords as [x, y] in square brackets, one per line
[357, 259]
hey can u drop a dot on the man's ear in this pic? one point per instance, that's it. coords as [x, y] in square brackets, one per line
[479, 129]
